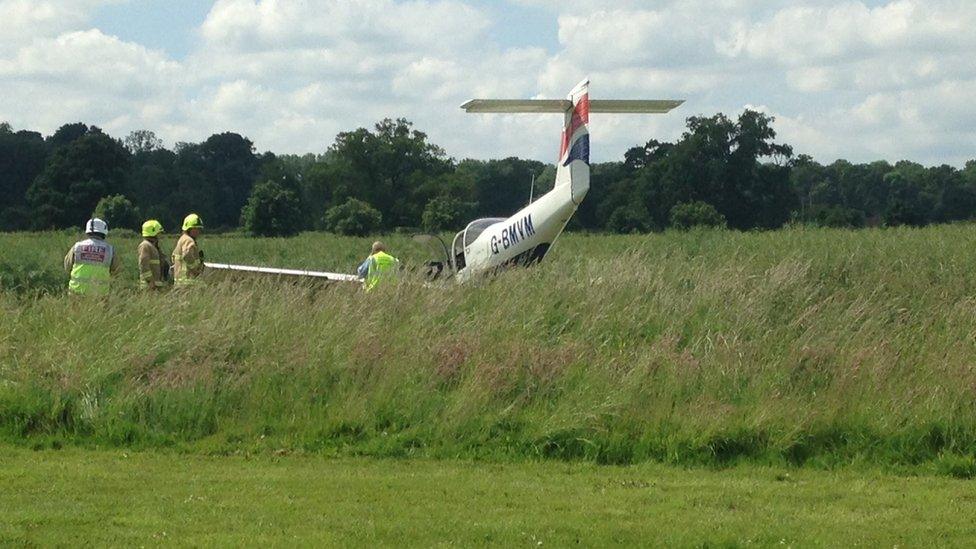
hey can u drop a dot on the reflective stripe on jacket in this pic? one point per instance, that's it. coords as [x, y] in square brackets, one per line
[91, 262]
[381, 266]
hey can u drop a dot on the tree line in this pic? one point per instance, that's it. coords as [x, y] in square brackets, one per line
[721, 172]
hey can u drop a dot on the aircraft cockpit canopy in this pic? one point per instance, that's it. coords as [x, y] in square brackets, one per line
[470, 233]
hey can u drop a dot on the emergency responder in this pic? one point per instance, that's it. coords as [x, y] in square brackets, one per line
[92, 262]
[153, 266]
[187, 256]
[378, 267]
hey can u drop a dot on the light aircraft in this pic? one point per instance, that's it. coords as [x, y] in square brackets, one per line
[525, 237]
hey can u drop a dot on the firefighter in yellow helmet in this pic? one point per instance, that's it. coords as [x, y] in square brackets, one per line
[153, 265]
[378, 267]
[187, 255]
[92, 262]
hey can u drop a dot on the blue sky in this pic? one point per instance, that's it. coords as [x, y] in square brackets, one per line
[855, 79]
[157, 24]
[172, 25]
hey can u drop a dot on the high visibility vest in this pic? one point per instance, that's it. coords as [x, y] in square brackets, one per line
[91, 269]
[381, 266]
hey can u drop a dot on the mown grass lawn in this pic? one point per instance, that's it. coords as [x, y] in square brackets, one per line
[74, 496]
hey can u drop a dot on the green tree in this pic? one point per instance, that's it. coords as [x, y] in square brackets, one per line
[695, 214]
[908, 201]
[446, 212]
[118, 212]
[214, 178]
[501, 187]
[143, 141]
[384, 167]
[272, 210]
[612, 186]
[153, 186]
[732, 164]
[354, 217]
[68, 133]
[836, 216]
[77, 175]
[630, 218]
[23, 155]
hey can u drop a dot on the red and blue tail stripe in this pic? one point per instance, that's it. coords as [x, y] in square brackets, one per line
[576, 135]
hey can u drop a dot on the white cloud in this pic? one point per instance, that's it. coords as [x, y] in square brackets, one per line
[851, 30]
[91, 61]
[25, 20]
[861, 79]
[382, 25]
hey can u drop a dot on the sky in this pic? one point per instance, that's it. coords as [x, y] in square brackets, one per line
[862, 80]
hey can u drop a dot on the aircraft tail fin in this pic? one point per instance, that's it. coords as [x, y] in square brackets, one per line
[573, 167]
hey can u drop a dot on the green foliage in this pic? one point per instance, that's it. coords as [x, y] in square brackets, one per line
[83, 168]
[22, 157]
[15, 218]
[501, 187]
[354, 218]
[216, 178]
[384, 168]
[29, 278]
[696, 214]
[956, 466]
[272, 210]
[446, 213]
[631, 218]
[836, 216]
[119, 213]
[143, 142]
[735, 165]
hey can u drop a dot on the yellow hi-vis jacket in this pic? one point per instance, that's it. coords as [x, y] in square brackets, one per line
[152, 266]
[187, 261]
[381, 267]
[91, 262]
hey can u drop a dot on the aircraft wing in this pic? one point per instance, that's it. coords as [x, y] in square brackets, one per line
[649, 106]
[336, 277]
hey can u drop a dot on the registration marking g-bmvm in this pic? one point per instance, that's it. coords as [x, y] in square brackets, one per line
[512, 234]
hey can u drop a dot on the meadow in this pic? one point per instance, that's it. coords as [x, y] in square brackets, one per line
[802, 347]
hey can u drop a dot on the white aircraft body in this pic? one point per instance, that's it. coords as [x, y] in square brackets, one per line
[525, 237]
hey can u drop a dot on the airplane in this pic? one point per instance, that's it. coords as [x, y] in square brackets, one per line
[524, 238]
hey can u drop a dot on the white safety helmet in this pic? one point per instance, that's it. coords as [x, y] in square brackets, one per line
[96, 226]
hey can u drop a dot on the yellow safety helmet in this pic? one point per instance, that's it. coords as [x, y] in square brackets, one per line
[192, 221]
[152, 228]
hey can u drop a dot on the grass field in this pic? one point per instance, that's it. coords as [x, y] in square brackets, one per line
[134, 499]
[798, 347]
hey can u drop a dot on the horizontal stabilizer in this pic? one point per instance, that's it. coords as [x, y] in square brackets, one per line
[518, 105]
[338, 277]
[649, 106]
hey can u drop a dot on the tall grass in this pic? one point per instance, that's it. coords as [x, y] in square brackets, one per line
[800, 346]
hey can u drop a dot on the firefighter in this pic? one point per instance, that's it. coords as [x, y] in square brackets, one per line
[378, 267]
[153, 266]
[92, 262]
[187, 255]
